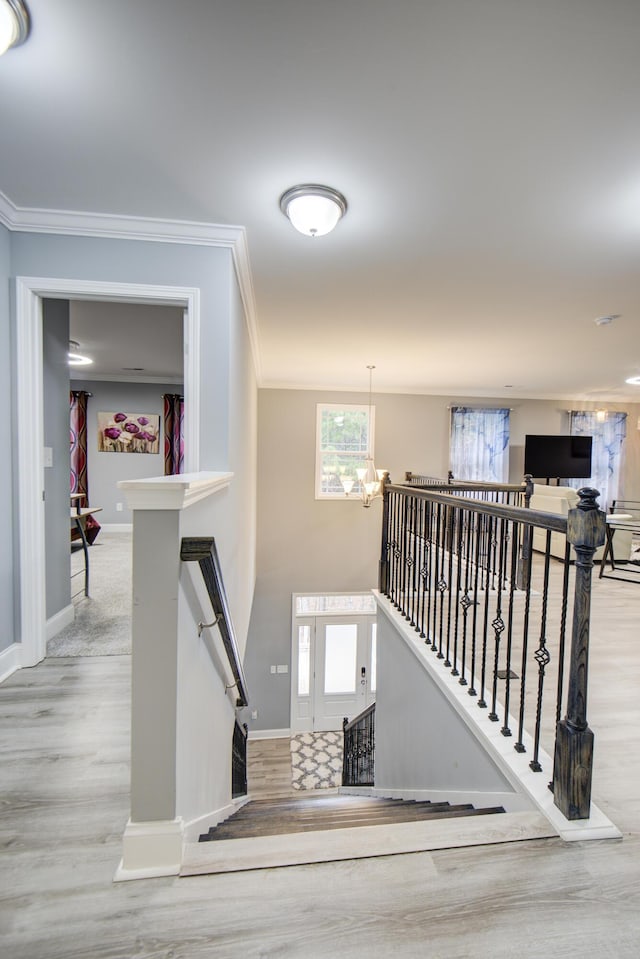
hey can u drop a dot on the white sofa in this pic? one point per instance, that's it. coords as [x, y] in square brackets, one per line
[560, 499]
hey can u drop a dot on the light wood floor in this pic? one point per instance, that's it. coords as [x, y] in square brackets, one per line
[64, 738]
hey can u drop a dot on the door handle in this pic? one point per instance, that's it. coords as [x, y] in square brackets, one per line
[363, 676]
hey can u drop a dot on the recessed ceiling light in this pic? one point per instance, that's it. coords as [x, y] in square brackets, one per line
[606, 320]
[77, 359]
[633, 380]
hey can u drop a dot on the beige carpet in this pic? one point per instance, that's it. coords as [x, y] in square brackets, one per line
[102, 625]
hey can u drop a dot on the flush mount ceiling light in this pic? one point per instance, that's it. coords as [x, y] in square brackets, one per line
[633, 380]
[77, 359]
[606, 320]
[14, 24]
[313, 209]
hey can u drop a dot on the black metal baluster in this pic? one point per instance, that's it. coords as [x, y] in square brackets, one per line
[526, 559]
[474, 625]
[563, 632]
[542, 657]
[459, 539]
[482, 703]
[497, 624]
[466, 600]
[506, 731]
[449, 536]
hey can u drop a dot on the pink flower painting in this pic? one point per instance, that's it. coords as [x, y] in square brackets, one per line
[128, 433]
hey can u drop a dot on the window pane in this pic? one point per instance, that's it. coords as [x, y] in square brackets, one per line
[338, 466]
[341, 647]
[304, 659]
[374, 654]
[344, 439]
[340, 603]
[344, 430]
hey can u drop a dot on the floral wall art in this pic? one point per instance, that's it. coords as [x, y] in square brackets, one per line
[128, 432]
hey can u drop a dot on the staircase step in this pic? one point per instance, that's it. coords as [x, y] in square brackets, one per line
[339, 813]
[272, 851]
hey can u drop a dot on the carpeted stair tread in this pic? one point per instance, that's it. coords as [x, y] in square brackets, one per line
[340, 813]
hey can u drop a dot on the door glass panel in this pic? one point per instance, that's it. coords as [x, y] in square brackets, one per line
[304, 659]
[374, 640]
[339, 603]
[341, 647]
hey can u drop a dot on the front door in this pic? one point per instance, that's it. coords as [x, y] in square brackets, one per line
[344, 669]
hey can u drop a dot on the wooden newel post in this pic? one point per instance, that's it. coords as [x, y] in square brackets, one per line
[574, 740]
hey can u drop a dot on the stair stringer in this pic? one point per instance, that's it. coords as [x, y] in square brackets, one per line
[450, 748]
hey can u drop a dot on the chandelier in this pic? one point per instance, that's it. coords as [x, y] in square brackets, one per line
[370, 480]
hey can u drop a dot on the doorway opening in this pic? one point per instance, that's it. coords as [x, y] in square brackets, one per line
[333, 657]
[30, 293]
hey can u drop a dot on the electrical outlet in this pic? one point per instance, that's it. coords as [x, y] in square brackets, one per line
[119, 507]
[273, 669]
[254, 714]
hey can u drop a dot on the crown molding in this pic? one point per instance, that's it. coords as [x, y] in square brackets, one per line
[121, 227]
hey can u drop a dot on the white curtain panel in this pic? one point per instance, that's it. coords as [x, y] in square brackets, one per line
[479, 448]
[606, 454]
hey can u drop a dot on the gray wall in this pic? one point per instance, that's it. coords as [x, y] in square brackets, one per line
[55, 392]
[227, 408]
[313, 545]
[413, 721]
[163, 264]
[106, 469]
[6, 444]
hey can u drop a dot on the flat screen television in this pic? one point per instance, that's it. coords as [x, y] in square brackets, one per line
[559, 457]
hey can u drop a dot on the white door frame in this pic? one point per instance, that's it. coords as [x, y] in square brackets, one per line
[296, 723]
[30, 292]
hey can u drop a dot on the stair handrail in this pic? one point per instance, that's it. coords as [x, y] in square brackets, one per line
[202, 549]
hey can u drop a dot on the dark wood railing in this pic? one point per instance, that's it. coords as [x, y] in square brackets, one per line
[459, 570]
[358, 758]
[202, 549]
[239, 760]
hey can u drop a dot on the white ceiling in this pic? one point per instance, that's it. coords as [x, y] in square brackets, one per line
[128, 341]
[489, 151]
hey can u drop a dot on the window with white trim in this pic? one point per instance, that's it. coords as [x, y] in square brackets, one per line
[344, 438]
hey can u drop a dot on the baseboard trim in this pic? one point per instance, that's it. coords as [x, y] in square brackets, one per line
[269, 734]
[60, 621]
[117, 527]
[150, 850]
[194, 829]
[10, 661]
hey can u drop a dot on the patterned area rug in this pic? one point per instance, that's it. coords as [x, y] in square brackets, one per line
[316, 760]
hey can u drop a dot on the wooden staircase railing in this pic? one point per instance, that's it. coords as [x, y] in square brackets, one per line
[459, 570]
[202, 549]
